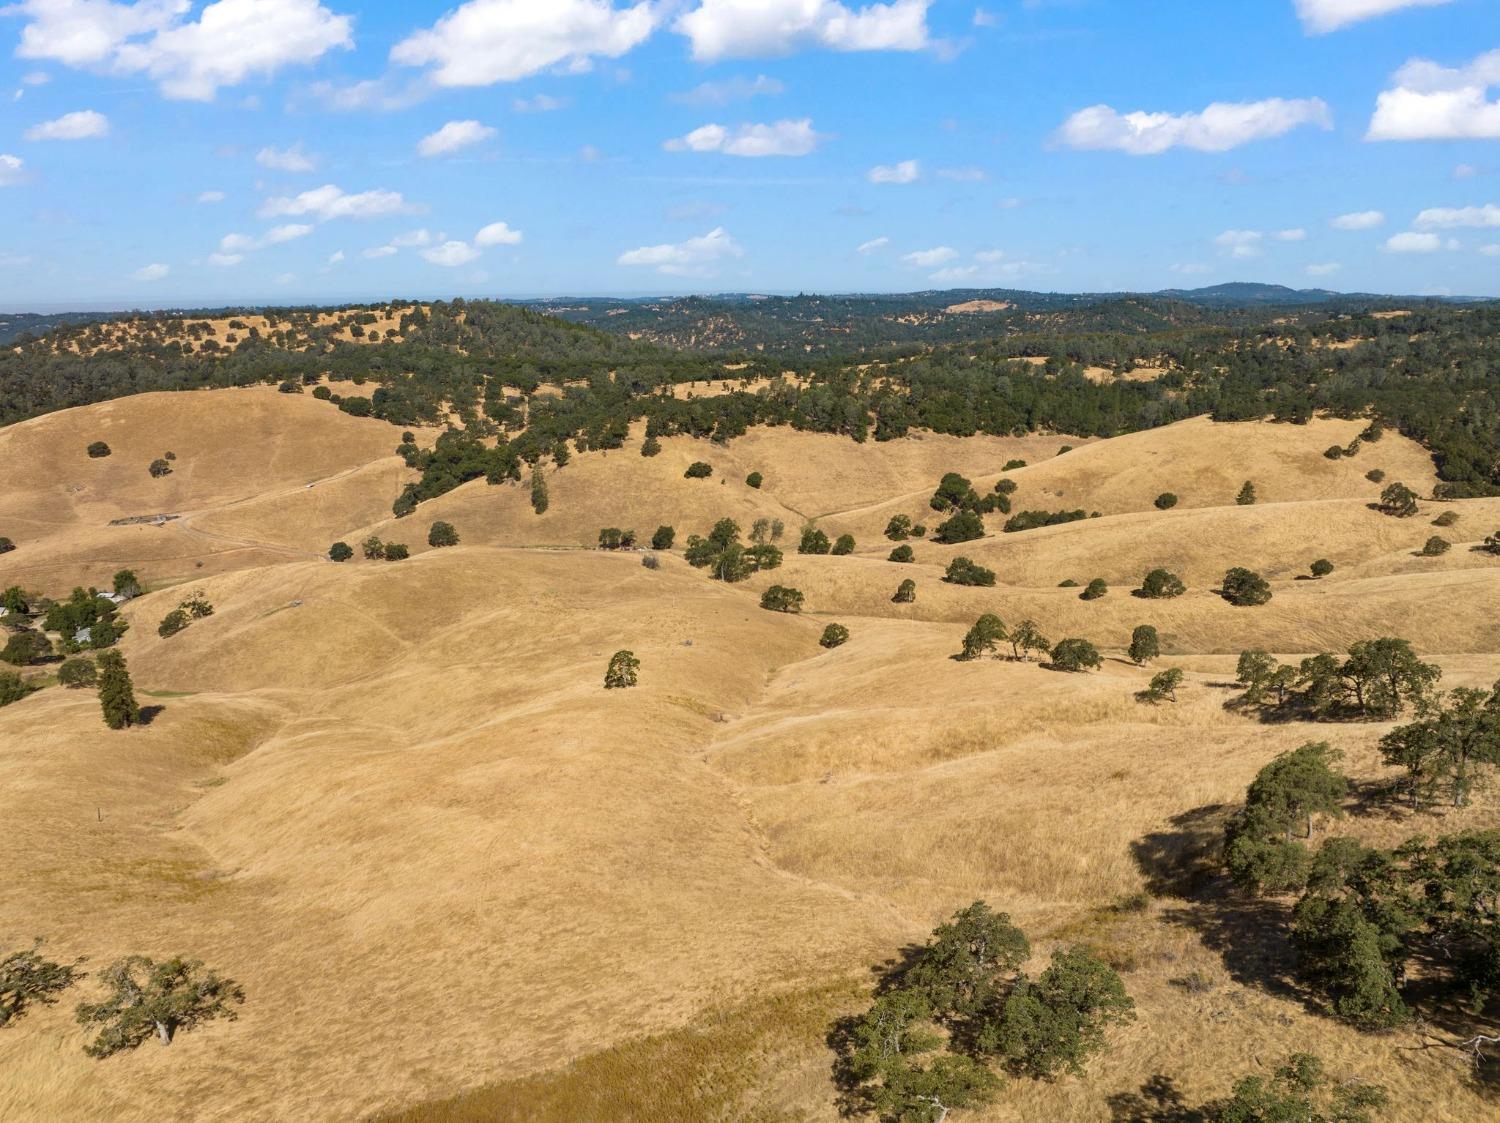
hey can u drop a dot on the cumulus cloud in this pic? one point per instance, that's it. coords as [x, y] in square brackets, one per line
[454, 136]
[11, 171]
[1240, 243]
[451, 254]
[1321, 16]
[731, 89]
[1413, 242]
[1358, 220]
[1218, 128]
[781, 138]
[85, 124]
[153, 272]
[694, 257]
[233, 247]
[872, 245]
[1297, 235]
[487, 41]
[419, 237]
[211, 196]
[907, 171]
[230, 41]
[720, 29]
[379, 251]
[225, 260]
[497, 234]
[335, 257]
[541, 103]
[330, 202]
[928, 259]
[292, 159]
[1432, 102]
[1452, 218]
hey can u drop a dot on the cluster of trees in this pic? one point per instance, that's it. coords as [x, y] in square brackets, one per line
[376, 550]
[196, 607]
[613, 538]
[142, 998]
[960, 1008]
[963, 571]
[1379, 678]
[815, 541]
[902, 527]
[989, 631]
[724, 555]
[1030, 520]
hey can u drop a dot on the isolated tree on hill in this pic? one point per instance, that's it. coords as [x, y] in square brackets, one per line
[1246, 497]
[622, 670]
[663, 538]
[1334, 452]
[754, 479]
[442, 534]
[539, 500]
[1163, 685]
[1322, 568]
[899, 528]
[116, 692]
[1166, 501]
[780, 598]
[77, 672]
[1096, 588]
[1435, 547]
[1245, 588]
[843, 546]
[160, 468]
[986, 634]
[906, 592]
[98, 449]
[1145, 645]
[6, 545]
[698, 470]
[172, 623]
[1446, 519]
[27, 979]
[1057, 1022]
[902, 554]
[835, 635]
[149, 999]
[1162, 584]
[1375, 475]
[340, 552]
[814, 541]
[1076, 655]
[1025, 638]
[1399, 501]
[372, 548]
[396, 551]
[962, 571]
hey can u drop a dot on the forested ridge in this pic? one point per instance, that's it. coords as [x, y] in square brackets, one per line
[1431, 370]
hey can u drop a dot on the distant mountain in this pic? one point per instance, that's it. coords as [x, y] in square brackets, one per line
[1247, 294]
[13, 325]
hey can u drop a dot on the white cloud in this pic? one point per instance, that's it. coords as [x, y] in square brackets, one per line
[453, 136]
[1296, 235]
[1218, 128]
[694, 257]
[487, 41]
[1359, 220]
[928, 259]
[1452, 218]
[451, 254]
[419, 237]
[1240, 243]
[36, 78]
[229, 42]
[497, 234]
[335, 257]
[329, 202]
[872, 245]
[85, 124]
[379, 251]
[1466, 171]
[10, 169]
[1432, 102]
[1323, 269]
[235, 246]
[224, 260]
[907, 171]
[211, 196]
[989, 257]
[1411, 242]
[541, 103]
[962, 175]
[731, 89]
[285, 278]
[285, 233]
[381, 94]
[153, 272]
[721, 29]
[783, 138]
[983, 18]
[1321, 16]
[1491, 250]
[292, 159]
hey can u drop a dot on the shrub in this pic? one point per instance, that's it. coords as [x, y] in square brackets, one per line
[148, 999]
[1096, 589]
[1067, 583]
[843, 546]
[172, 623]
[1030, 520]
[650, 447]
[1375, 476]
[754, 479]
[835, 635]
[1246, 497]
[906, 592]
[1005, 487]
[98, 449]
[340, 552]
[902, 554]
[396, 551]
[1244, 588]
[1446, 519]
[1011, 465]
[919, 531]
[622, 671]
[698, 470]
[322, 393]
[1162, 584]
[663, 538]
[1076, 655]
[779, 598]
[650, 561]
[1334, 452]
[77, 672]
[962, 571]
[1322, 568]
[6, 545]
[1145, 644]
[442, 534]
[899, 528]
[373, 548]
[1398, 501]
[1435, 547]
[962, 527]
[13, 688]
[814, 541]
[1166, 501]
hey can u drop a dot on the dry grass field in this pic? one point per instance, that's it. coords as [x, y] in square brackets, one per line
[460, 881]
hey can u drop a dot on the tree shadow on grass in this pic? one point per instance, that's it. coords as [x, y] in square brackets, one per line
[1158, 1101]
[149, 714]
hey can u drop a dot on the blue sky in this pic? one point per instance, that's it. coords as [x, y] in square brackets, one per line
[167, 152]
